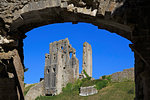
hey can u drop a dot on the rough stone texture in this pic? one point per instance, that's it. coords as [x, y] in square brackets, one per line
[14, 70]
[35, 91]
[125, 75]
[87, 58]
[127, 18]
[19, 74]
[86, 91]
[59, 67]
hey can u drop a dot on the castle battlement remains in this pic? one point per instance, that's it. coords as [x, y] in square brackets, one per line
[59, 67]
[62, 65]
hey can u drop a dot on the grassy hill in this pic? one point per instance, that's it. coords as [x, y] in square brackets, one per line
[114, 91]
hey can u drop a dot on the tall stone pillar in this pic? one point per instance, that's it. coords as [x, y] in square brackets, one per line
[87, 58]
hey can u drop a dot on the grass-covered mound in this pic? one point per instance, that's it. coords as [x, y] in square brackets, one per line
[107, 91]
[118, 91]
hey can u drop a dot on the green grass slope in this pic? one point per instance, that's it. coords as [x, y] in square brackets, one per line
[114, 91]
[28, 88]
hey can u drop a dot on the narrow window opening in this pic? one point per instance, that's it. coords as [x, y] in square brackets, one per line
[62, 47]
[54, 70]
[47, 71]
[70, 54]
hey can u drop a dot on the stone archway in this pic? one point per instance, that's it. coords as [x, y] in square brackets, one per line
[120, 16]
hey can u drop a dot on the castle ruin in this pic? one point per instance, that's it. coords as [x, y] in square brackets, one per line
[59, 67]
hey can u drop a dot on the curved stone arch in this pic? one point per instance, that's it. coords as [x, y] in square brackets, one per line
[31, 14]
[37, 18]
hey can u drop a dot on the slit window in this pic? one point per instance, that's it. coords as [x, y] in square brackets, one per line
[47, 71]
[54, 70]
[62, 47]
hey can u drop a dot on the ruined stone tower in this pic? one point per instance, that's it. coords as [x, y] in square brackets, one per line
[87, 58]
[59, 67]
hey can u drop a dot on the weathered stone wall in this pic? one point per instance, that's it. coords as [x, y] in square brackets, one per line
[87, 58]
[17, 14]
[74, 62]
[125, 75]
[12, 9]
[35, 91]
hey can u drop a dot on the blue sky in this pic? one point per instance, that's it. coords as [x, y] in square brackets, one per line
[111, 52]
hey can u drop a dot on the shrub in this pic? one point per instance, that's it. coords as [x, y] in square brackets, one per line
[72, 88]
[68, 88]
[86, 82]
[108, 78]
[101, 84]
[104, 77]
[25, 84]
[77, 84]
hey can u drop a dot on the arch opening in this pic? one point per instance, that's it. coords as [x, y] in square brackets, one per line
[101, 39]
